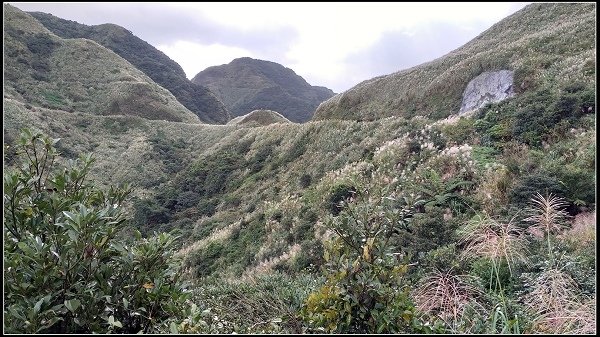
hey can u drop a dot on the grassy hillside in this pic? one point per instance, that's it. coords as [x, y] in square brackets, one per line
[44, 70]
[259, 117]
[545, 44]
[247, 84]
[154, 63]
[282, 224]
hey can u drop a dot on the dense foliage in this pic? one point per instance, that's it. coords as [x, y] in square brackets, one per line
[365, 290]
[69, 266]
[480, 223]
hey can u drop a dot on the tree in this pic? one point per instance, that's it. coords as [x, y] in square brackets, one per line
[67, 266]
[364, 290]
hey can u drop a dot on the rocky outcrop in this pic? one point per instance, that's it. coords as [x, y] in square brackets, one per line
[489, 87]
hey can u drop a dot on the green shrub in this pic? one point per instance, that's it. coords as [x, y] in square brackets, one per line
[531, 184]
[305, 180]
[339, 193]
[66, 268]
[460, 132]
[364, 290]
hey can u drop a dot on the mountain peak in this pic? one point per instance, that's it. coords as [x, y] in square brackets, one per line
[247, 84]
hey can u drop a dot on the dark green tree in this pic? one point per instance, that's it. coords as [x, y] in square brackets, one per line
[69, 266]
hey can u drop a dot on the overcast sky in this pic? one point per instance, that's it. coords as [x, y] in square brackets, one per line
[336, 45]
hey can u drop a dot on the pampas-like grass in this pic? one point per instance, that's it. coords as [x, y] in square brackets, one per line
[488, 238]
[547, 213]
[447, 296]
[554, 302]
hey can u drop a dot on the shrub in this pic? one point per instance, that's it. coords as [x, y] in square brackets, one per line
[535, 183]
[363, 291]
[66, 268]
[339, 193]
[305, 180]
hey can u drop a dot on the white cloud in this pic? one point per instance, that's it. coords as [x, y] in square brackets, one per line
[195, 57]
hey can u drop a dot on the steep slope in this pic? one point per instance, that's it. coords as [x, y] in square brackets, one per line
[42, 69]
[246, 84]
[259, 118]
[154, 63]
[543, 43]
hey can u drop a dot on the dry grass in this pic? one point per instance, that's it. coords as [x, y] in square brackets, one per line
[486, 237]
[555, 304]
[547, 214]
[447, 296]
[583, 232]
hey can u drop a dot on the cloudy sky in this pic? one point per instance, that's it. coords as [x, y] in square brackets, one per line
[336, 45]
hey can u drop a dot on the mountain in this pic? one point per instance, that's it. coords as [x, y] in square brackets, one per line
[42, 69]
[259, 118]
[154, 63]
[246, 84]
[259, 210]
[540, 43]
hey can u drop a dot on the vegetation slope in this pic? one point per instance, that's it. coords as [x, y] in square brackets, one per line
[259, 117]
[542, 44]
[44, 70]
[262, 209]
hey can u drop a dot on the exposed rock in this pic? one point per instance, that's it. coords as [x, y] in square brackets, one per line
[489, 87]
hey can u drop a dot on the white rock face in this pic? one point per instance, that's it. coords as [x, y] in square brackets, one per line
[489, 87]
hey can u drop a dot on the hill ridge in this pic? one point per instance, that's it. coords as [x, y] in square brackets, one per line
[436, 86]
[154, 63]
[247, 84]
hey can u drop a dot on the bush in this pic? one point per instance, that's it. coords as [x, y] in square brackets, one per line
[339, 193]
[363, 291]
[305, 180]
[531, 184]
[66, 268]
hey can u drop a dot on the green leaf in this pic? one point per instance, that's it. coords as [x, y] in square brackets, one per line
[73, 235]
[173, 328]
[25, 248]
[70, 216]
[72, 305]
[50, 323]
[117, 323]
[125, 303]
[16, 314]
[111, 320]
[103, 241]
[37, 306]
